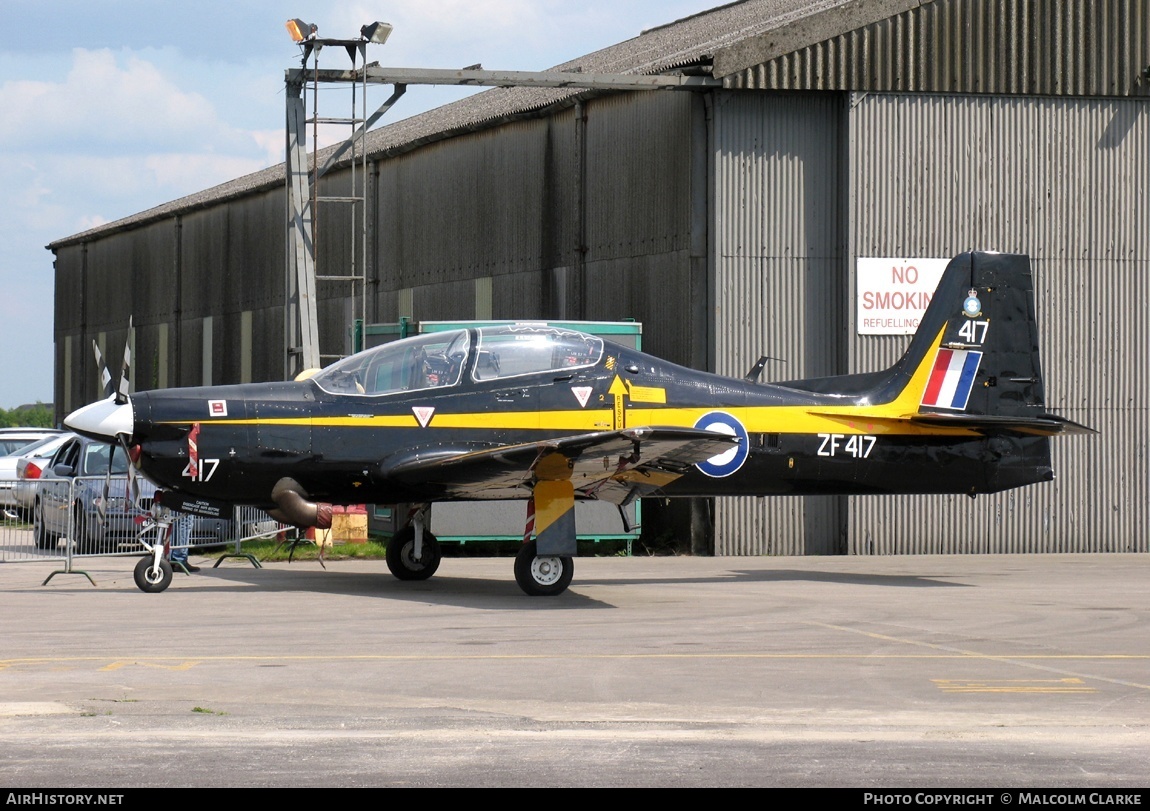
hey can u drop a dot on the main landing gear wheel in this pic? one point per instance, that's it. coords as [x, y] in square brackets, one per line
[542, 575]
[401, 555]
[151, 579]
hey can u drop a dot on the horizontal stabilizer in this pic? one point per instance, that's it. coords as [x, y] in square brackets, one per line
[1042, 425]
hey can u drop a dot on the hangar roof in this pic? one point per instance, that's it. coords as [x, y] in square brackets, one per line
[1043, 47]
[691, 41]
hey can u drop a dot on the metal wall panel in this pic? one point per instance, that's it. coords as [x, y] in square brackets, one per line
[1064, 181]
[517, 295]
[203, 251]
[591, 207]
[1036, 47]
[488, 204]
[778, 282]
[67, 317]
[464, 209]
[638, 159]
[653, 290]
[231, 260]
[129, 272]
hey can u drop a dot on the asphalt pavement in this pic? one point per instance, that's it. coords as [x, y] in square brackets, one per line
[948, 672]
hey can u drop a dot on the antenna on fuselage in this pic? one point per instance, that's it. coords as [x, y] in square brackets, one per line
[757, 370]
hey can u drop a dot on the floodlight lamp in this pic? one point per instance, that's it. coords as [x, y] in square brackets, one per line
[301, 31]
[376, 32]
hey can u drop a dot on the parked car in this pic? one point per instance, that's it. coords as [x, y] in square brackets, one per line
[30, 464]
[69, 501]
[10, 472]
[15, 439]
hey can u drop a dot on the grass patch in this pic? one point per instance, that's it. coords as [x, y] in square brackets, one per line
[276, 551]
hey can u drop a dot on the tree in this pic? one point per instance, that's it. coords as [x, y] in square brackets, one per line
[31, 416]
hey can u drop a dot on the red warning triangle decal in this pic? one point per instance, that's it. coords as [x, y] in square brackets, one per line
[423, 414]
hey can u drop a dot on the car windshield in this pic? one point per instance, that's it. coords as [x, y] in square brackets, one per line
[427, 361]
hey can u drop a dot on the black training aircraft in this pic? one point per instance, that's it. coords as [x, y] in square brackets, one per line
[549, 416]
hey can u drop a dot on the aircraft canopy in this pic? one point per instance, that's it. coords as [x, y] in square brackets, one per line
[442, 359]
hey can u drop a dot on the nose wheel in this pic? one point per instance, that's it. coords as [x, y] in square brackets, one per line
[542, 575]
[153, 576]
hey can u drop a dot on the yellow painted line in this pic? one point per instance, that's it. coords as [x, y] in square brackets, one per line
[120, 665]
[1070, 685]
[400, 657]
[1003, 658]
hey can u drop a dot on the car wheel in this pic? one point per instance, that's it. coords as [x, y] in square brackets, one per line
[81, 527]
[43, 538]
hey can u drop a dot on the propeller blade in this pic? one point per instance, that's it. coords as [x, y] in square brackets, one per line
[125, 377]
[102, 368]
[102, 507]
[133, 484]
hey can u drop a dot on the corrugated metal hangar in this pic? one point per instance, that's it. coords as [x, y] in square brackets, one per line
[732, 221]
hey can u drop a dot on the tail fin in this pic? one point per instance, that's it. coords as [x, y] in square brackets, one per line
[972, 370]
[974, 361]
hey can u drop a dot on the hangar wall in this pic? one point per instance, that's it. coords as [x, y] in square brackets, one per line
[204, 290]
[779, 283]
[581, 215]
[1063, 180]
[806, 184]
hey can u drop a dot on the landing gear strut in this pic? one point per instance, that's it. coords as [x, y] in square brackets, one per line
[413, 553]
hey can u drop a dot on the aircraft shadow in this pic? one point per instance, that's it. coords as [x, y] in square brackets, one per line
[494, 594]
[470, 592]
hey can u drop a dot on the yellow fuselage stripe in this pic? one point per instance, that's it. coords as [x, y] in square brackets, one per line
[883, 418]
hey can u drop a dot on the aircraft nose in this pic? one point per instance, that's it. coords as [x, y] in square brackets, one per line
[104, 420]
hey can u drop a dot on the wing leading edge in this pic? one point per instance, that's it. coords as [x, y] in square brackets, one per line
[614, 466]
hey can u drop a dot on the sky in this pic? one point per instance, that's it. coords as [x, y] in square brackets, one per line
[112, 107]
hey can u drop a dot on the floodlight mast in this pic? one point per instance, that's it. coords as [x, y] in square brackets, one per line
[301, 327]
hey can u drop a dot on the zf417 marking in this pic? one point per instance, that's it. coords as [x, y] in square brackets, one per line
[855, 446]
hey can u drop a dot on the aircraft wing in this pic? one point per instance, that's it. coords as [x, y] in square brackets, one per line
[615, 466]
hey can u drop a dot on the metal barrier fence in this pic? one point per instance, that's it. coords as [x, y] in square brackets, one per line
[65, 519]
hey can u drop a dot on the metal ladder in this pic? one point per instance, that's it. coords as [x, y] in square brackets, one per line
[306, 269]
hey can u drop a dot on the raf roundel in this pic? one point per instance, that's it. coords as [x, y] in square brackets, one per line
[728, 462]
